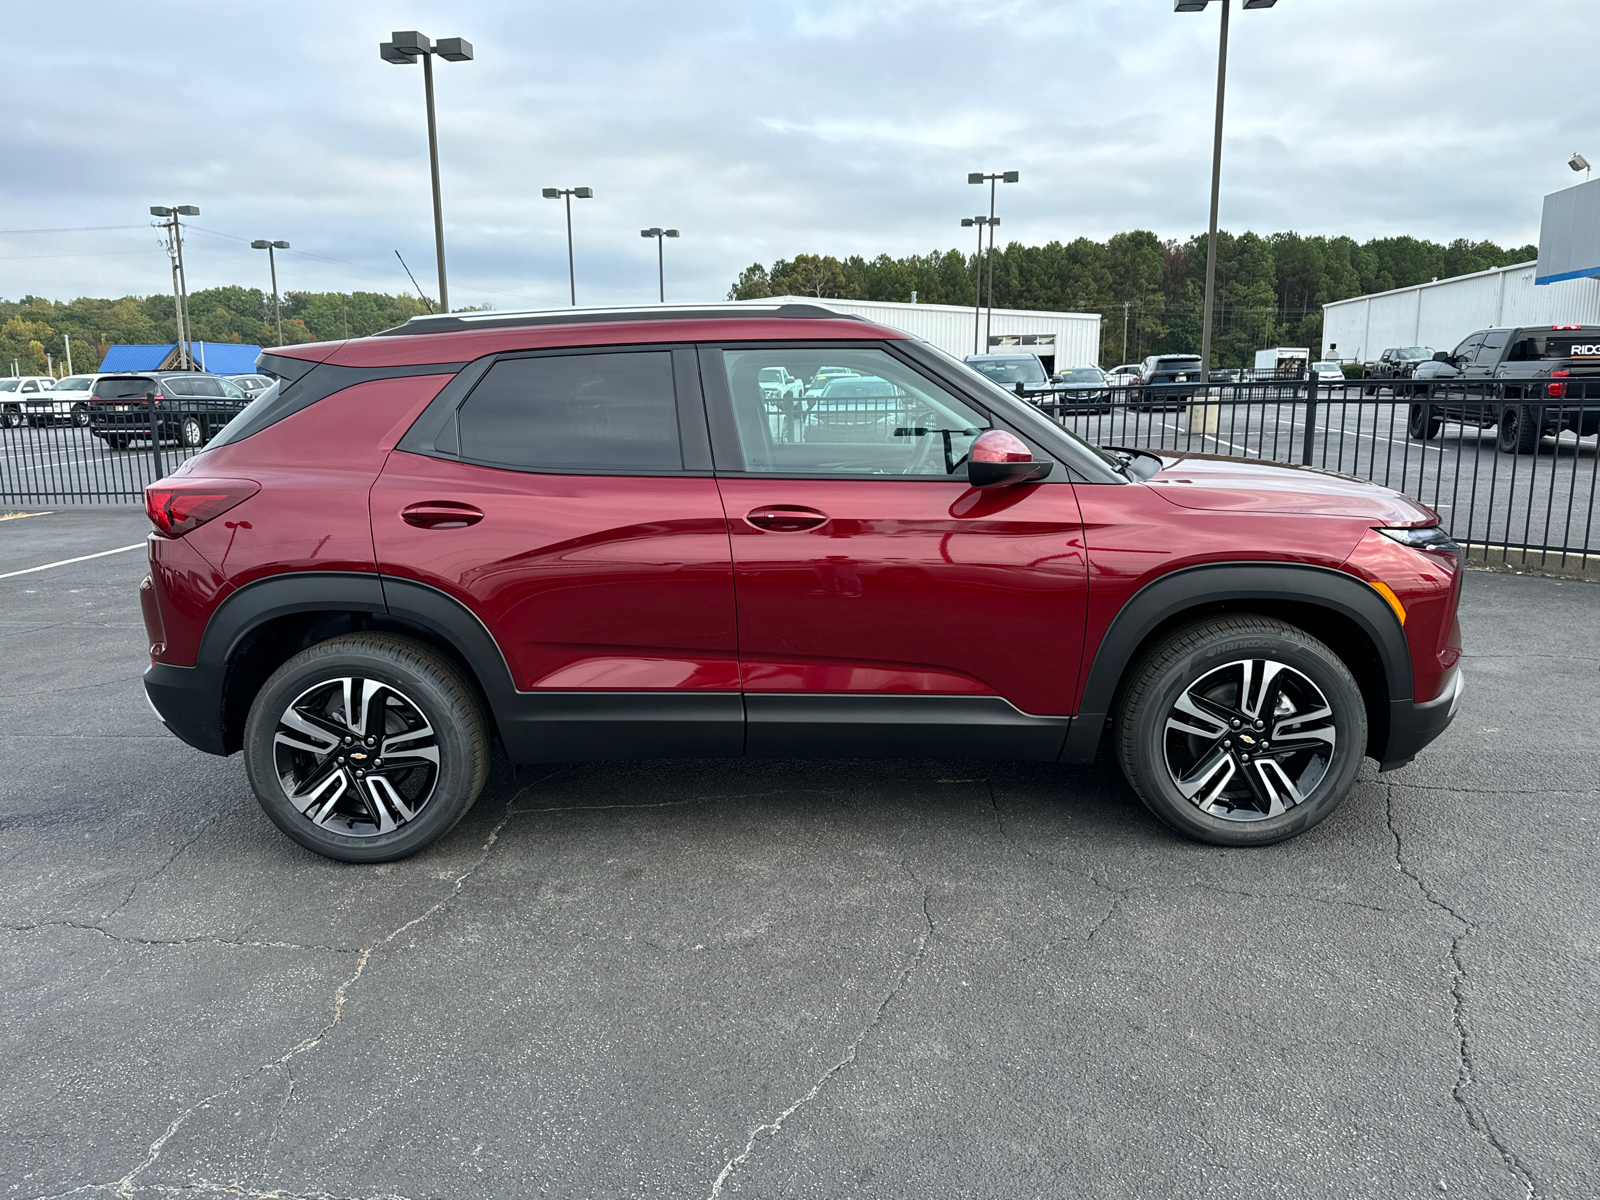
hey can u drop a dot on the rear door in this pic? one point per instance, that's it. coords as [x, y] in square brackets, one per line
[567, 501]
[884, 606]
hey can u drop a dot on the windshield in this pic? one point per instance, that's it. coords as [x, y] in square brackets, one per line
[1011, 370]
[1414, 353]
[1083, 375]
[1327, 366]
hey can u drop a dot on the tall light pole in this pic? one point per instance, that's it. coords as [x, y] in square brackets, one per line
[582, 193]
[180, 281]
[270, 247]
[658, 233]
[1216, 167]
[977, 271]
[991, 180]
[406, 47]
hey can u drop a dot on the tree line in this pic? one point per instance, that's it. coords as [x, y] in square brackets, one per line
[34, 331]
[1270, 290]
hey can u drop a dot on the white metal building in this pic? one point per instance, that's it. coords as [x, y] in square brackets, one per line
[1441, 313]
[1060, 339]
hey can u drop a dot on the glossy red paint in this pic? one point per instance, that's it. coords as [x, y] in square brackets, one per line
[912, 586]
[1428, 585]
[1135, 534]
[315, 469]
[585, 581]
[1215, 484]
[466, 345]
[183, 591]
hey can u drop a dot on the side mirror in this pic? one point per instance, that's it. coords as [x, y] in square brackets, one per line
[1442, 356]
[998, 458]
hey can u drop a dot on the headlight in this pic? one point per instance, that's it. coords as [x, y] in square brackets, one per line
[1428, 537]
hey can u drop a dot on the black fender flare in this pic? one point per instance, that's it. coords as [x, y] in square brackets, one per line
[1172, 594]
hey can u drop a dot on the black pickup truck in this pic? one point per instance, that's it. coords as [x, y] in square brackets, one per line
[1397, 362]
[1530, 381]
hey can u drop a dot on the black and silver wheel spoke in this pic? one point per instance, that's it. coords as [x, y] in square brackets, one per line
[356, 756]
[1249, 740]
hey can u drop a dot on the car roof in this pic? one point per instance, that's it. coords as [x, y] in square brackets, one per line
[462, 337]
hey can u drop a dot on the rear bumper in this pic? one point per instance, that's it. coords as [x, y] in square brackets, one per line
[1413, 725]
[189, 702]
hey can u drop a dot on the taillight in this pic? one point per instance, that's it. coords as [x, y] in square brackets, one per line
[179, 508]
[1557, 390]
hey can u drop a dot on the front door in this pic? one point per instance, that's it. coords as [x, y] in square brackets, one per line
[884, 605]
[569, 505]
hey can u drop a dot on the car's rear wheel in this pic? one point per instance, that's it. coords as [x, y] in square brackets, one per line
[192, 432]
[1519, 429]
[11, 417]
[366, 748]
[80, 415]
[1423, 423]
[1241, 731]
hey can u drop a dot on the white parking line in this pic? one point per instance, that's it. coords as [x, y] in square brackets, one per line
[68, 561]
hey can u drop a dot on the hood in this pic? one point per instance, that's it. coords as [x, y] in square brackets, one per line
[1212, 482]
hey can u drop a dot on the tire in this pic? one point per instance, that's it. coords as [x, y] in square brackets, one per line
[80, 416]
[1209, 663]
[11, 418]
[1519, 430]
[192, 432]
[117, 441]
[296, 726]
[1423, 424]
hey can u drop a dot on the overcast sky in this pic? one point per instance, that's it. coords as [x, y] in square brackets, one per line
[761, 130]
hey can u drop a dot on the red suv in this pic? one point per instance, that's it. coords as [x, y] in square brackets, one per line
[604, 534]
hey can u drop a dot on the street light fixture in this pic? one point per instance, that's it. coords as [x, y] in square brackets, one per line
[582, 193]
[1578, 163]
[270, 247]
[406, 47]
[658, 233]
[1001, 177]
[1216, 167]
[977, 264]
[180, 281]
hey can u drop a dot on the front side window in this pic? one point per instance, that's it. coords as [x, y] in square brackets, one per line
[575, 412]
[859, 412]
[1468, 348]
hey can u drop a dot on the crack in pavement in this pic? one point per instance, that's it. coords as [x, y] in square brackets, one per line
[197, 939]
[127, 1187]
[1477, 1120]
[156, 874]
[773, 1126]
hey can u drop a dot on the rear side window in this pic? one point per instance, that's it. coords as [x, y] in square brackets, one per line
[122, 389]
[607, 412]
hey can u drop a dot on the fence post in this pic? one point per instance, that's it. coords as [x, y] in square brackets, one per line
[1309, 443]
[155, 436]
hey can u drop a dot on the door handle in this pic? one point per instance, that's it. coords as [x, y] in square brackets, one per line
[441, 514]
[785, 518]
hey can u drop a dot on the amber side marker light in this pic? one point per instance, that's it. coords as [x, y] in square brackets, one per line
[1387, 592]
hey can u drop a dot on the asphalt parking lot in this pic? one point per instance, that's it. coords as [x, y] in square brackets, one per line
[817, 979]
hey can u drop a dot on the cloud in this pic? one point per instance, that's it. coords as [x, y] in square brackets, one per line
[759, 129]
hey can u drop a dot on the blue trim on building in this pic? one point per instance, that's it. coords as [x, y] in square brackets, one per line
[1565, 275]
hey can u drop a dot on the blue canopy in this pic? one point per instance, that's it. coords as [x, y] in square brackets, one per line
[219, 358]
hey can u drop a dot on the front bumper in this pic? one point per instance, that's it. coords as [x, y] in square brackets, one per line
[189, 702]
[1412, 725]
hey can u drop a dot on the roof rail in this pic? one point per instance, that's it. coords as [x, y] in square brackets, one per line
[459, 322]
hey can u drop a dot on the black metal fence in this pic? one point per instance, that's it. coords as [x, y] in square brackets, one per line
[103, 453]
[1514, 480]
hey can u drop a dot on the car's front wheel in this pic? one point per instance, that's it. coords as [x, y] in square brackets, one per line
[1423, 423]
[366, 748]
[1241, 731]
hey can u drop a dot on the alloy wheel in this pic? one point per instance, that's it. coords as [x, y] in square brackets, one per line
[191, 432]
[1249, 740]
[356, 756]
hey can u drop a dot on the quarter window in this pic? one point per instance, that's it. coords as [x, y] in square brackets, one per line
[575, 412]
[857, 411]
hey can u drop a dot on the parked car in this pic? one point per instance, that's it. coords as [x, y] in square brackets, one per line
[1397, 362]
[822, 375]
[588, 542]
[1224, 375]
[69, 398]
[778, 384]
[1528, 377]
[1081, 390]
[190, 406]
[251, 385]
[1124, 374]
[1010, 370]
[1158, 373]
[1327, 372]
[21, 400]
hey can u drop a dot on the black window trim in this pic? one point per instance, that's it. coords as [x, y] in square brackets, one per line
[435, 433]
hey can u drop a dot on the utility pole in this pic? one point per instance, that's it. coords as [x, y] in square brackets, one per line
[977, 281]
[658, 233]
[1125, 306]
[67, 338]
[269, 247]
[992, 179]
[180, 282]
[582, 193]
